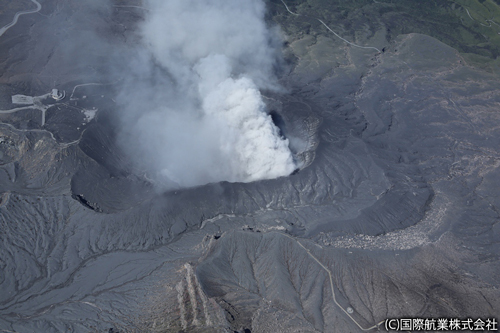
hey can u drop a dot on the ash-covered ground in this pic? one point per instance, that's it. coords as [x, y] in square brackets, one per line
[392, 115]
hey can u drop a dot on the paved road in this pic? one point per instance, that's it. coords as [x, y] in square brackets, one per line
[37, 104]
[16, 17]
[345, 40]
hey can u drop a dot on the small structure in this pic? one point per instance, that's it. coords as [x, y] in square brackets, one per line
[89, 114]
[57, 95]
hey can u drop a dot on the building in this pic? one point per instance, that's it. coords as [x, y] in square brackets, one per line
[57, 95]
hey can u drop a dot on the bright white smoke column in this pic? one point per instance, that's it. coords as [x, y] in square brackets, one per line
[212, 126]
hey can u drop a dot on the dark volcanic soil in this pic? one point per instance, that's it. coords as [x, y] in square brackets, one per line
[394, 213]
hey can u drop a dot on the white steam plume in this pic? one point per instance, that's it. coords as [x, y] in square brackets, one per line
[194, 111]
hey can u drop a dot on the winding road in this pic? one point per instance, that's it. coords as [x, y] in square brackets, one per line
[337, 35]
[16, 17]
[346, 311]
